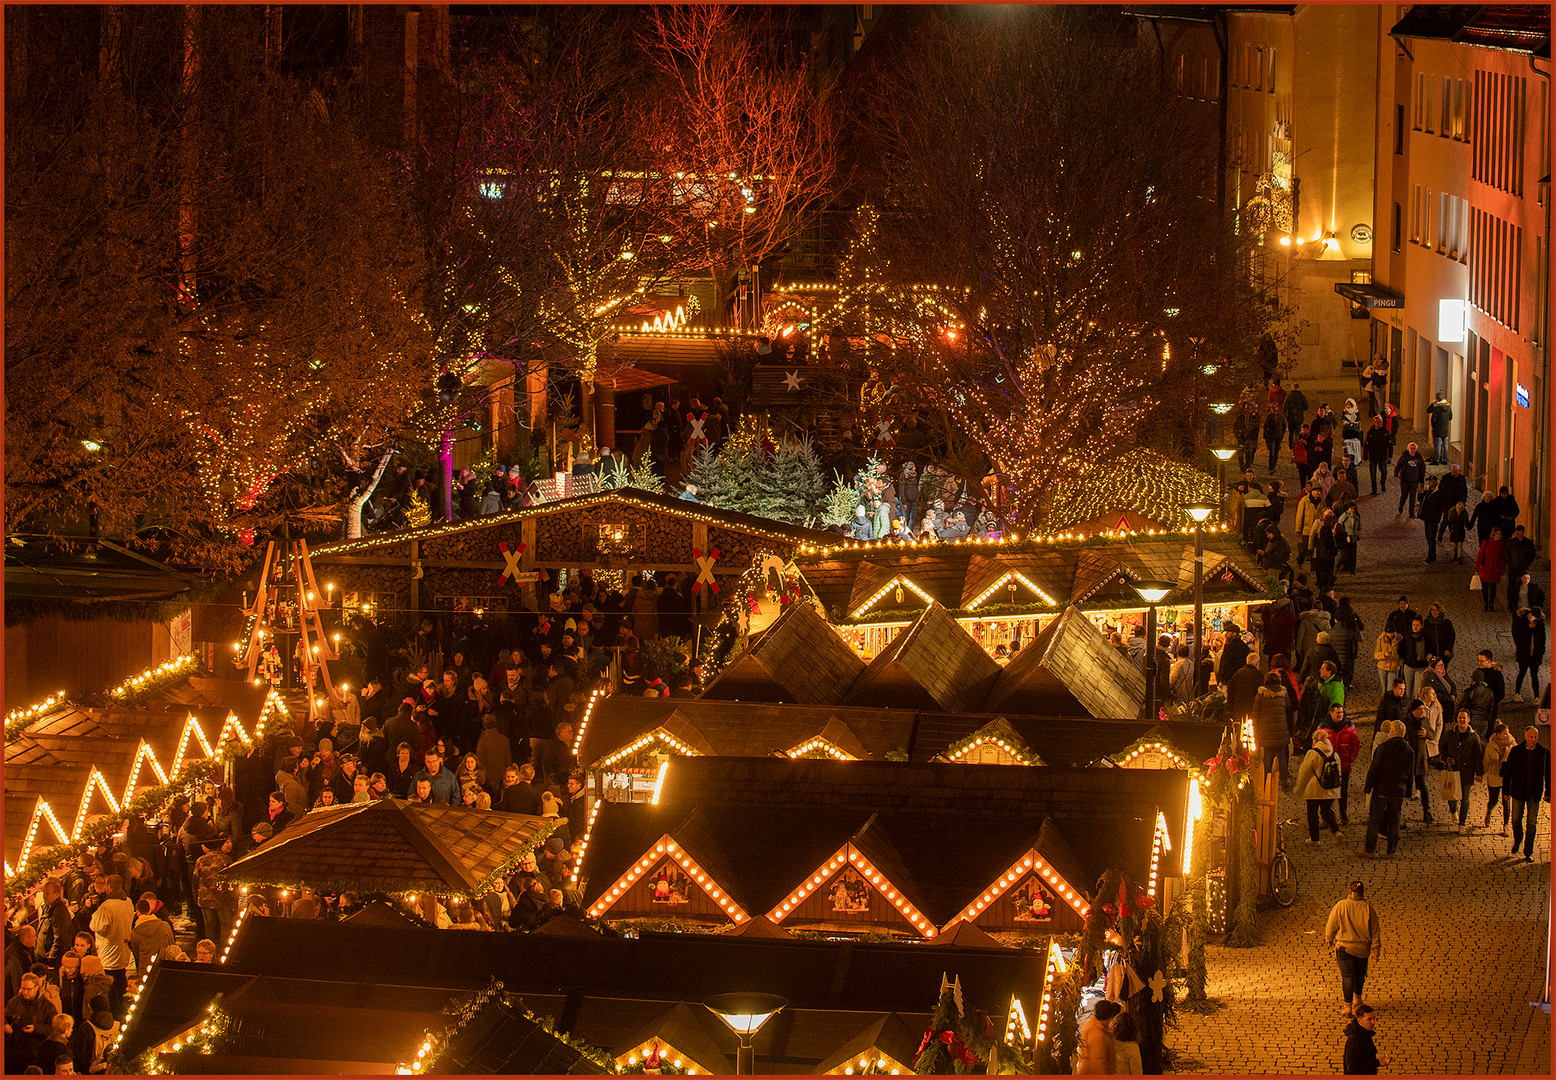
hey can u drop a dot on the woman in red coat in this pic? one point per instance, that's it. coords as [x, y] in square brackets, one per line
[1489, 567]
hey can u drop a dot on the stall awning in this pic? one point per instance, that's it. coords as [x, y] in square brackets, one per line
[1370, 294]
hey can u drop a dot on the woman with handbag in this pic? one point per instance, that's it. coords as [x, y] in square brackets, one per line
[1463, 755]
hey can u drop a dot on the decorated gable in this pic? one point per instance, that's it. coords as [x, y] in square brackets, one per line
[851, 890]
[667, 881]
[1036, 892]
[996, 743]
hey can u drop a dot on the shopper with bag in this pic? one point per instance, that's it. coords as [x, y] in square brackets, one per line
[1318, 782]
[1463, 757]
[1489, 568]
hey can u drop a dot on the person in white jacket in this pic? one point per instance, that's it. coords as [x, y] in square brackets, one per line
[113, 922]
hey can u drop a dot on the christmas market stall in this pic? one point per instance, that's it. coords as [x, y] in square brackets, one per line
[880, 848]
[493, 564]
[396, 847]
[627, 1001]
[77, 769]
[1005, 591]
[627, 738]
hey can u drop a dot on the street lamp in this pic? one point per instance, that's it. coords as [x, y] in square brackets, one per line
[1223, 455]
[1152, 592]
[745, 1014]
[1200, 512]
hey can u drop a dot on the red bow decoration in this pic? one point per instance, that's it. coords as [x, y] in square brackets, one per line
[960, 1051]
[1124, 907]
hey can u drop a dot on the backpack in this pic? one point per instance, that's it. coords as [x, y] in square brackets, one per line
[1329, 774]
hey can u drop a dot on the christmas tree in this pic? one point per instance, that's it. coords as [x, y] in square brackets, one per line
[707, 471]
[944, 1050]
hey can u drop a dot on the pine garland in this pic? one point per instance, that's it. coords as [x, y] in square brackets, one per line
[1245, 928]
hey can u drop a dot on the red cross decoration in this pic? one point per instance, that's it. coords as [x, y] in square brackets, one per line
[513, 573]
[705, 569]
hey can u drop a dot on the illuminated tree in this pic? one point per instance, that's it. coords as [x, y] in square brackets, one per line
[1064, 204]
[210, 282]
[745, 123]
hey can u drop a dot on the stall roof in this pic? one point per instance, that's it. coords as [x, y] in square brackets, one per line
[1522, 28]
[799, 658]
[392, 845]
[933, 663]
[948, 829]
[657, 967]
[1070, 668]
[759, 729]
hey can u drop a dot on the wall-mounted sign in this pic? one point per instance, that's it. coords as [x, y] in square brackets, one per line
[1362, 233]
[1521, 395]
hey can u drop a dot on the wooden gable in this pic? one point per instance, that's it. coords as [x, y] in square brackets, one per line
[676, 735]
[996, 743]
[1038, 891]
[668, 882]
[1037, 578]
[851, 890]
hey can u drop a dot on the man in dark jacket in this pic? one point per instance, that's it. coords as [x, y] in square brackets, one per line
[1390, 776]
[1242, 688]
[1526, 779]
[1491, 675]
[1434, 507]
[1411, 470]
[1361, 1053]
[1378, 450]
[1455, 489]
[1519, 553]
[1401, 617]
[1295, 409]
[1480, 703]
[1234, 654]
[56, 927]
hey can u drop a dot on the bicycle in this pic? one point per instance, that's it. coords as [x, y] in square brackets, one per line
[1283, 879]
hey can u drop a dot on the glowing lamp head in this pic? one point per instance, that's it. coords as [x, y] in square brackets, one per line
[1200, 512]
[1224, 453]
[745, 1013]
[1153, 591]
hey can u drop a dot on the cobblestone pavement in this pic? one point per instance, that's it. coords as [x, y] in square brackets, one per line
[1464, 926]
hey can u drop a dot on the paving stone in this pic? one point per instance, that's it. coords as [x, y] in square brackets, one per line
[1463, 922]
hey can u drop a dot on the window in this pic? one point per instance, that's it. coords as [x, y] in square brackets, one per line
[1399, 129]
[1269, 80]
[1499, 131]
[1446, 109]
[1397, 233]
[1258, 72]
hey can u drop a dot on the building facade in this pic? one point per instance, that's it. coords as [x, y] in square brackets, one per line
[1463, 197]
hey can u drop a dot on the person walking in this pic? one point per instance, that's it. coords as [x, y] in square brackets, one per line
[1411, 470]
[1489, 567]
[1416, 732]
[1095, 1051]
[1463, 759]
[1274, 434]
[1498, 747]
[1272, 710]
[1434, 505]
[1529, 651]
[1377, 450]
[1295, 408]
[1354, 934]
[1441, 414]
[1347, 744]
[1390, 776]
[1347, 532]
[1361, 1052]
[1526, 778]
[1385, 654]
[1318, 782]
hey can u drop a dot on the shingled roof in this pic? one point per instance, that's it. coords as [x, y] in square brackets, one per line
[392, 845]
[946, 829]
[800, 658]
[932, 664]
[1069, 669]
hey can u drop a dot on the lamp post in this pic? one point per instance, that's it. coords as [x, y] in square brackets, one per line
[1152, 592]
[1200, 513]
[745, 1014]
[1223, 455]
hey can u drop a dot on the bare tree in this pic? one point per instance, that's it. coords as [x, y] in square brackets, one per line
[210, 282]
[747, 125]
[1062, 206]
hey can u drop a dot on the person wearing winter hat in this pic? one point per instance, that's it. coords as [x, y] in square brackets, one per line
[261, 832]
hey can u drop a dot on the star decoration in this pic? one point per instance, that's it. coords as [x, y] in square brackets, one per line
[792, 380]
[1158, 983]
